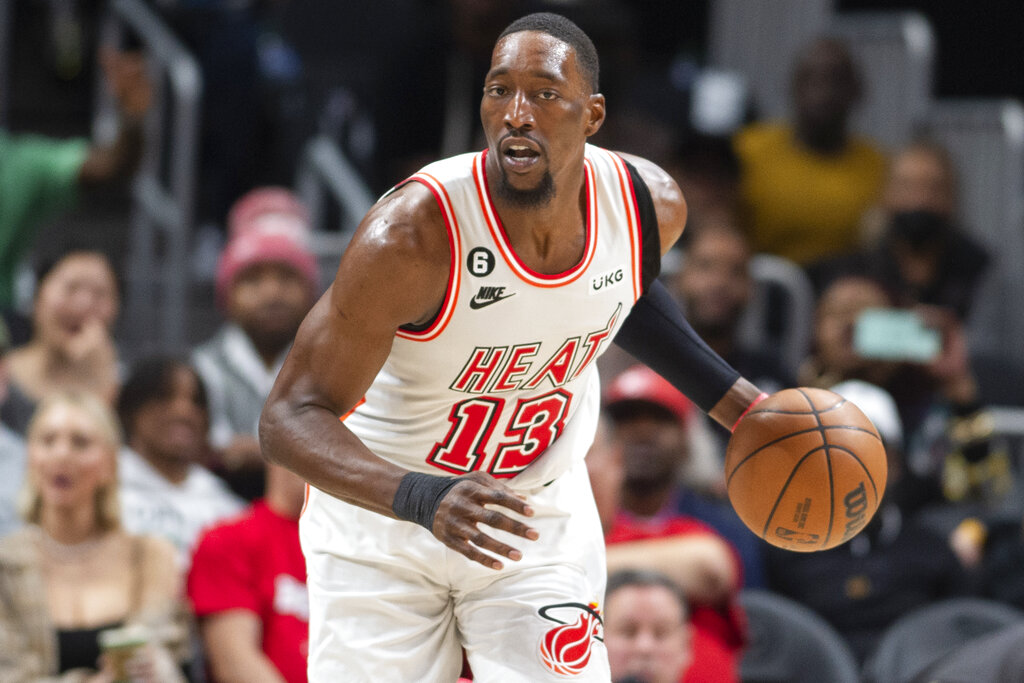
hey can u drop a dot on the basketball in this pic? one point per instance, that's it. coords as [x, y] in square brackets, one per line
[805, 469]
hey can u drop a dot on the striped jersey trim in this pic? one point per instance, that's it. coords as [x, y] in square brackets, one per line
[501, 238]
[454, 248]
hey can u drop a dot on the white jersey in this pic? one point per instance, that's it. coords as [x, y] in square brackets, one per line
[504, 380]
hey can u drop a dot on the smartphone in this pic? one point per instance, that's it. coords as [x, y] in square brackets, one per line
[895, 334]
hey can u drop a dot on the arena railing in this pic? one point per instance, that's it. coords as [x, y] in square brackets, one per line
[325, 174]
[985, 138]
[163, 192]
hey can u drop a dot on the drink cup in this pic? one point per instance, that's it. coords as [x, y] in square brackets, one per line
[120, 644]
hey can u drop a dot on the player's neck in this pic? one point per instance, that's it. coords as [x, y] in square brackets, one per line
[549, 238]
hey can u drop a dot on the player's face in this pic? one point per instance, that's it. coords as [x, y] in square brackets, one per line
[537, 112]
[647, 634]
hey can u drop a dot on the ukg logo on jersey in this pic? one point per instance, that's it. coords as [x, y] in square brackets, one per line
[606, 281]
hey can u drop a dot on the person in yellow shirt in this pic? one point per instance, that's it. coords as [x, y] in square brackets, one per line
[805, 184]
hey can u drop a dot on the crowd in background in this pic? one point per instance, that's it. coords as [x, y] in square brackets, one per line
[132, 489]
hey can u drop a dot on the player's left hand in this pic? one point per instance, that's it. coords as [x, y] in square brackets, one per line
[472, 502]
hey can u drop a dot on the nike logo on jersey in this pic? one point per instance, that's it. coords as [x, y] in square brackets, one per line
[487, 296]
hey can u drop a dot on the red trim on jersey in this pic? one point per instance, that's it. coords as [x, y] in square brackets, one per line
[305, 499]
[636, 241]
[454, 248]
[353, 409]
[500, 237]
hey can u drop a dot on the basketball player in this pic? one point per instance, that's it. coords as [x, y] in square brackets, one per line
[449, 505]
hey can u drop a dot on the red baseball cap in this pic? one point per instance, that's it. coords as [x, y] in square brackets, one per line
[640, 385]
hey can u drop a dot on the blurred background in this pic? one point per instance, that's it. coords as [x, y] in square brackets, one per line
[837, 156]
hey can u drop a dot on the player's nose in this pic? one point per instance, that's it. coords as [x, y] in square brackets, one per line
[519, 112]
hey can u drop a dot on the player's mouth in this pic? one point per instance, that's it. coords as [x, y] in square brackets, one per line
[519, 154]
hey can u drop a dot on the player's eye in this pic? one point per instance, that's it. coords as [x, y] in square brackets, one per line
[547, 95]
[496, 90]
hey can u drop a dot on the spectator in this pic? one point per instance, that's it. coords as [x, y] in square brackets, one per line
[73, 571]
[714, 287]
[649, 533]
[708, 172]
[833, 355]
[646, 629]
[943, 423]
[921, 255]
[165, 490]
[650, 419]
[248, 589]
[12, 453]
[896, 563]
[72, 344]
[39, 176]
[806, 185]
[266, 283]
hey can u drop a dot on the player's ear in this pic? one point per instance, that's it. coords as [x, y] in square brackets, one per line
[595, 114]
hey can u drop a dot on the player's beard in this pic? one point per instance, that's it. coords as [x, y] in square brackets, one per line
[532, 198]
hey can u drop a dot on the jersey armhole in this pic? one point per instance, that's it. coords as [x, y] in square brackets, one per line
[650, 238]
[433, 327]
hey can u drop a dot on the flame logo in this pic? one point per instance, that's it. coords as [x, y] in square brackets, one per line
[565, 649]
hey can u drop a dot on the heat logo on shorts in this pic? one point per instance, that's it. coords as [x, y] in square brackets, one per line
[565, 649]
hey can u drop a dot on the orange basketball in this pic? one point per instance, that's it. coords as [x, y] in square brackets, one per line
[805, 469]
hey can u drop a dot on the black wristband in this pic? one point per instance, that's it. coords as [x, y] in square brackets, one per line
[418, 497]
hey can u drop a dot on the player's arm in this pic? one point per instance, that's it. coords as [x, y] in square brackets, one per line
[232, 641]
[394, 272]
[657, 334]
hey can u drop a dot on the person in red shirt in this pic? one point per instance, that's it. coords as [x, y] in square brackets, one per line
[647, 424]
[248, 589]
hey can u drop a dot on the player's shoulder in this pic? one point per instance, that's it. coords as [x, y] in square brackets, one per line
[659, 181]
[406, 224]
[669, 203]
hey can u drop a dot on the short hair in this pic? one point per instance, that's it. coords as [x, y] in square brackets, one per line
[108, 509]
[150, 380]
[646, 578]
[557, 26]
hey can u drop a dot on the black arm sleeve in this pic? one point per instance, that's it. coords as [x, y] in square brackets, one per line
[657, 334]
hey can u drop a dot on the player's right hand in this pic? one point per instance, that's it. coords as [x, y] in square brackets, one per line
[465, 506]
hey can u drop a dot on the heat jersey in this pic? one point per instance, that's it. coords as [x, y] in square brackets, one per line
[504, 378]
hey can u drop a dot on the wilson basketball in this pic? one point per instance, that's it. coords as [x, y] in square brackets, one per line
[805, 469]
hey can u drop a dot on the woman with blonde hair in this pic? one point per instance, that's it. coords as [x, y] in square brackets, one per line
[72, 573]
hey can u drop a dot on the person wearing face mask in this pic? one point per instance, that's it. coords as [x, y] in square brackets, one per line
[73, 572]
[72, 346]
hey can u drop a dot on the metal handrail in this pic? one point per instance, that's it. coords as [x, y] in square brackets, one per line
[163, 214]
[325, 172]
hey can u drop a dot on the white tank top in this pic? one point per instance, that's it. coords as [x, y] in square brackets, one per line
[504, 380]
